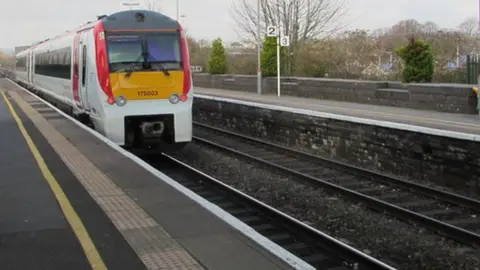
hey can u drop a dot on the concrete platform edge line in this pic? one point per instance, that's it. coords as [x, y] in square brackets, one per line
[268, 245]
[90, 250]
[387, 124]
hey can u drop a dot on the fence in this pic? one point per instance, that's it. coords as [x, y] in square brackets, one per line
[473, 69]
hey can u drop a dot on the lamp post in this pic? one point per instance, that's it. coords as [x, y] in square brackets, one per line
[130, 3]
[178, 10]
[259, 67]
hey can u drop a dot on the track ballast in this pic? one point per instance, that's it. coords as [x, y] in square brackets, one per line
[448, 214]
[314, 247]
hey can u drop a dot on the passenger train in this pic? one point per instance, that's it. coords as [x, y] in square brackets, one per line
[128, 74]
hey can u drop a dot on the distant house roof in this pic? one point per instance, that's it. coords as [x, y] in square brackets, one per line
[236, 44]
[462, 61]
[373, 69]
[386, 67]
[451, 65]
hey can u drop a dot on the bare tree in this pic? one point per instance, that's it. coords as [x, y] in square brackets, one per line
[470, 32]
[430, 27]
[152, 5]
[302, 19]
[469, 27]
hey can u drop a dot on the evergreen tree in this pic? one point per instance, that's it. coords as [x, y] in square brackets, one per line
[269, 57]
[419, 61]
[218, 59]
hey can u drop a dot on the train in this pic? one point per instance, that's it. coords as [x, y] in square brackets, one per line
[127, 74]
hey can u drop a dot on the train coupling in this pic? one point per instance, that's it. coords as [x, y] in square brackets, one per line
[152, 129]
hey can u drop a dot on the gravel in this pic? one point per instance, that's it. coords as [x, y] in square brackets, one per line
[400, 244]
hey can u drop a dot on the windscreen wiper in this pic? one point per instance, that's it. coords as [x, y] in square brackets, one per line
[162, 67]
[132, 68]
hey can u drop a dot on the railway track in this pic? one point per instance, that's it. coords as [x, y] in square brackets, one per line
[314, 247]
[446, 213]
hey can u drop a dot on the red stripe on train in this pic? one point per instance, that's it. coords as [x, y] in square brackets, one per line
[76, 46]
[102, 61]
[187, 76]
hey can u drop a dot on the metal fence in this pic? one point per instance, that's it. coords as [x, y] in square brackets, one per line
[473, 69]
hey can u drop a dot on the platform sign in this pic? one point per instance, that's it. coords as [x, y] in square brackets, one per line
[285, 41]
[196, 69]
[272, 31]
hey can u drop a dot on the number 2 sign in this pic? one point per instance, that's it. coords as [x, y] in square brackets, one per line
[271, 31]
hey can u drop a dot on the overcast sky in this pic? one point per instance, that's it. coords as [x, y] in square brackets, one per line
[26, 21]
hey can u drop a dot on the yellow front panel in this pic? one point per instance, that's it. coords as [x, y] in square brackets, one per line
[147, 84]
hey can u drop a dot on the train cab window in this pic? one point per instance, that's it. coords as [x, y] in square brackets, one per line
[84, 64]
[123, 50]
[164, 48]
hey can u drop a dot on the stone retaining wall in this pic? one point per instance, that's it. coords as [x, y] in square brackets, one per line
[418, 156]
[452, 98]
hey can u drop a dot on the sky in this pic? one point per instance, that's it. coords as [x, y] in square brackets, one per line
[23, 22]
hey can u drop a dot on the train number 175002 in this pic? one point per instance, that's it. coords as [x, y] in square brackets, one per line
[147, 93]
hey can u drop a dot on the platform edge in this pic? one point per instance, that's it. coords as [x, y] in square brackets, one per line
[381, 123]
[249, 232]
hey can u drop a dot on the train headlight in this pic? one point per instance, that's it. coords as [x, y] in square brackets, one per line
[121, 100]
[174, 99]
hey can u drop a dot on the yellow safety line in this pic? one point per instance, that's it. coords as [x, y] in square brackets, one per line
[72, 217]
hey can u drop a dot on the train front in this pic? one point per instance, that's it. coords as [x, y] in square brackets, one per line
[150, 80]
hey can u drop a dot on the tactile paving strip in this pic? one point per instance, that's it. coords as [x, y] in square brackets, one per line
[155, 247]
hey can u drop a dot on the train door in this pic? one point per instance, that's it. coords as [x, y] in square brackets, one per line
[27, 66]
[31, 66]
[76, 77]
[83, 70]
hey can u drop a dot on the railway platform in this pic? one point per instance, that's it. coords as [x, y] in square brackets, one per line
[70, 200]
[394, 115]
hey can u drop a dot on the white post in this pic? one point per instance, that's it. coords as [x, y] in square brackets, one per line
[178, 10]
[259, 64]
[278, 65]
[279, 31]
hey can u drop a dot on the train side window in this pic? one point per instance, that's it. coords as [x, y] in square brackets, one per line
[65, 59]
[68, 65]
[84, 64]
[69, 59]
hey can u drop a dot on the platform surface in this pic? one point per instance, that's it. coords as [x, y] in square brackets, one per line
[131, 218]
[430, 119]
[34, 231]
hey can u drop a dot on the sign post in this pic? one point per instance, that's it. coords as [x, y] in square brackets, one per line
[284, 41]
[278, 65]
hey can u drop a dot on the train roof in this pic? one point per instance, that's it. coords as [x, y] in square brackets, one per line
[124, 20]
[138, 20]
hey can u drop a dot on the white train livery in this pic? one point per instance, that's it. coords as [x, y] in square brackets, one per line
[128, 74]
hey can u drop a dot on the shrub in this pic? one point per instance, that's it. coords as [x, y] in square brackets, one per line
[419, 62]
[269, 57]
[218, 59]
